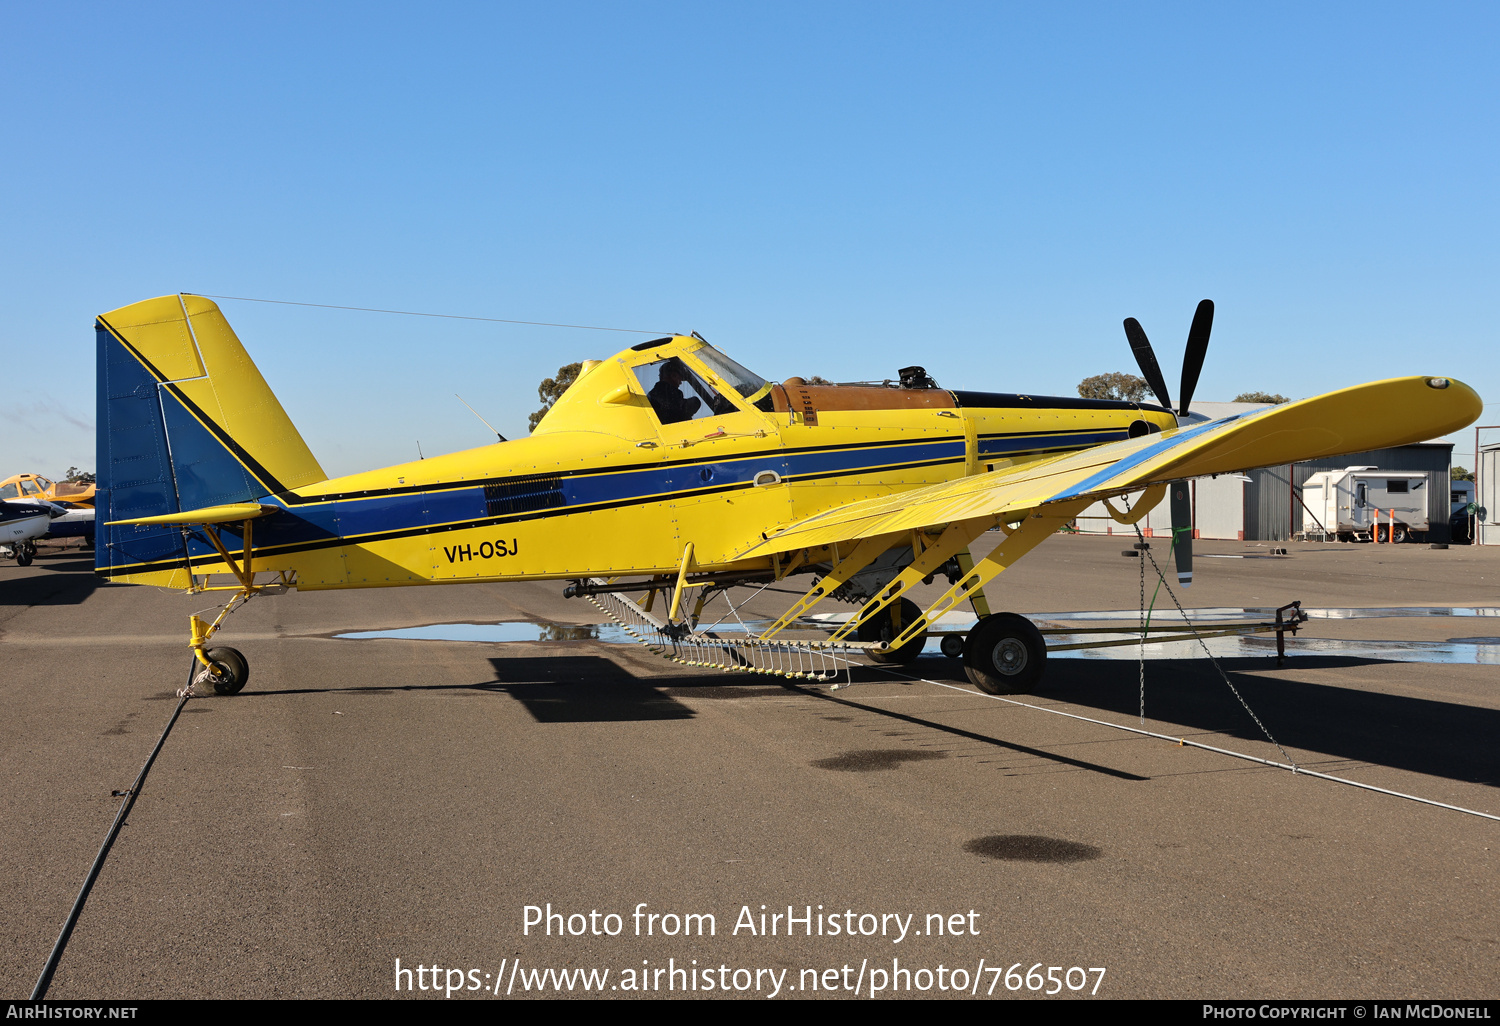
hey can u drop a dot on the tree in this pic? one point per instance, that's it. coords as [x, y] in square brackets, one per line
[818, 380]
[76, 476]
[1461, 474]
[552, 389]
[1261, 397]
[1114, 385]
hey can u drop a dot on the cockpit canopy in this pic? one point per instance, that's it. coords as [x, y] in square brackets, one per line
[25, 486]
[677, 392]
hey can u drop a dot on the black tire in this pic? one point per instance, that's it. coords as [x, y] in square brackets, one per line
[24, 556]
[1005, 655]
[231, 670]
[882, 627]
[1398, 533]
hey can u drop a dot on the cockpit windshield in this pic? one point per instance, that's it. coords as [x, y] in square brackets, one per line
[751, 386]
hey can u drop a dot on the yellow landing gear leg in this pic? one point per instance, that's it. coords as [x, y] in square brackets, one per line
[226, 669]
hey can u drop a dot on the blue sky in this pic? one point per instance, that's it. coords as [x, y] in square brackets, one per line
[835, 189]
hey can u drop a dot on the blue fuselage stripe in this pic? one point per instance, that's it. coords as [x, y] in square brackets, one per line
[309, 525]
[1036, 443]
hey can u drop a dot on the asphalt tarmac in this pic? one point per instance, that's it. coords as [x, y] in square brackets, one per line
[369, 801]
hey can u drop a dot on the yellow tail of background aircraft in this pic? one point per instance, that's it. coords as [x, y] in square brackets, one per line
[670, 470]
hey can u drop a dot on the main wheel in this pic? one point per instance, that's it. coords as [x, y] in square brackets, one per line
[885, 626]
[230, 670]
[24, 554]
[1005, 655]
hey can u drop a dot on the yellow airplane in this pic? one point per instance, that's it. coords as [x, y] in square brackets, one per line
[670, 470]
[35, 486]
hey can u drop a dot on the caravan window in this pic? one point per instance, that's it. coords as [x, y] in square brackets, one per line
[1396, 486]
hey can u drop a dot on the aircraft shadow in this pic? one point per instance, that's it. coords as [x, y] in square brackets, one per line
[556, 689]
[582, 689]
[715, 687]
[62, 582]
[1441, 739]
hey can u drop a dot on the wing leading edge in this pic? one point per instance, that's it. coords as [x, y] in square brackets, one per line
[1397, 411]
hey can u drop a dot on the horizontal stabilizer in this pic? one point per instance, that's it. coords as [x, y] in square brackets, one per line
[230, 514]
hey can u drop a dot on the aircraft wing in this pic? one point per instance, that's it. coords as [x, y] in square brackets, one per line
[1397, 411]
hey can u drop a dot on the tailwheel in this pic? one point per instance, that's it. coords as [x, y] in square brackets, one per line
[1005, 655]
[883, 626]
[230, 670]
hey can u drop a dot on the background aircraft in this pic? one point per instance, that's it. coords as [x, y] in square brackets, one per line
[21, 523]
[35, 486]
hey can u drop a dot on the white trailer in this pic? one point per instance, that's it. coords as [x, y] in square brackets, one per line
[1365, 503]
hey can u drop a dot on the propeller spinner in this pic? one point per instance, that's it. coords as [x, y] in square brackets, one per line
[1192, 366]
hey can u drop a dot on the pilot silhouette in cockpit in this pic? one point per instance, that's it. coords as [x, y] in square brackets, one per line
[666, 396]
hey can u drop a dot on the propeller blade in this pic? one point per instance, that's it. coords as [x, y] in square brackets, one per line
[1182, 530]
[1197, 347]
[1146, 359]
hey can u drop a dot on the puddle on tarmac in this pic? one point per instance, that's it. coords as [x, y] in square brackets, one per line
[1269, 613]
[1483, 650]
[493, 632]
[1459, 650]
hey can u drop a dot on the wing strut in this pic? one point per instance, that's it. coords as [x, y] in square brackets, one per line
[976, 597]
[1035, 529]
[850, 565]
[957, 538]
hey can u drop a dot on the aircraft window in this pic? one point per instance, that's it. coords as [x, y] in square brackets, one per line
[751, 386]
[11, 491]
[664, 381]
[30, 488]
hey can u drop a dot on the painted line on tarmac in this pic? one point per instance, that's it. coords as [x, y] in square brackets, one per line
[1295, 770]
